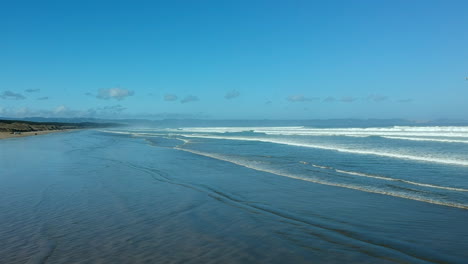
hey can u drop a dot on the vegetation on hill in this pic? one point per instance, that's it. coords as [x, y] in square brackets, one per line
[27, 126]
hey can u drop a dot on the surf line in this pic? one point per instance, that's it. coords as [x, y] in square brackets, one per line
[387, 178]
[428, 139]
[344, 150]
[353, 187]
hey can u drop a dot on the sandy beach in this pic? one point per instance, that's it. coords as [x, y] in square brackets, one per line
[4, 135]
[97, 197]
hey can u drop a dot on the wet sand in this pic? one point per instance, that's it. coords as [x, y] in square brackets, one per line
[86, 197]
[4, 135]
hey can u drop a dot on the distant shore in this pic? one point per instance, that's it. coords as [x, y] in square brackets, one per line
[19, 128]
[4, 135]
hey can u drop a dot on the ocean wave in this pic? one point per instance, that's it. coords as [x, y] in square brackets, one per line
[369, 189]
[396, 155]
[116, 132]
[135, 134]
[360, 174]
[444, 135]
[445, 131]
[428, 139]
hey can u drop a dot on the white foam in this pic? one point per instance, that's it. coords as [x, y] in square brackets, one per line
[115, 132]
[347, 186]
[400, 180]
[428, 139]
[321, 167]
[131, 133]
[453, 134]
[342, 149]
[319, 181]
[435, 131]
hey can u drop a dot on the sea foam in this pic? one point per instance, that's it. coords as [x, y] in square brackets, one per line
[324, 182]
[366, 151]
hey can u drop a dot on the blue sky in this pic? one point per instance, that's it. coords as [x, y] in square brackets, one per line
[234, 59]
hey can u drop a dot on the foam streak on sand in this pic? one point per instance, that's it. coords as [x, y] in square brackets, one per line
[400, 180]
[389, 179]
[348, 186]
[340, 149]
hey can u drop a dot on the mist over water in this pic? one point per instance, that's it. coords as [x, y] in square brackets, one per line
[236, 195]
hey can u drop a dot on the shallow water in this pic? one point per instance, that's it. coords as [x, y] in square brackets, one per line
[202, 195]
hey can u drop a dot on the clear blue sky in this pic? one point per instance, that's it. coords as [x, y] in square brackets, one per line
[234, 59]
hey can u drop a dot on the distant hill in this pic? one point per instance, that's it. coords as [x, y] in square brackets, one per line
[61, 120]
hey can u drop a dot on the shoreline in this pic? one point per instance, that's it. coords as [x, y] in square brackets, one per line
[111, 183]
[6, 135]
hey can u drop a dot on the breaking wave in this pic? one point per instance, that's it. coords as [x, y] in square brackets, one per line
[366, 151]
[360, 174]
[369, 189]
[445, 131]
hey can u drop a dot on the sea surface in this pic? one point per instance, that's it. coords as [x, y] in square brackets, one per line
[395, 194]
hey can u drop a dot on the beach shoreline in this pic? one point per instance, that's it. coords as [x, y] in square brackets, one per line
[103, 197]
[19, 128]
[6, 135]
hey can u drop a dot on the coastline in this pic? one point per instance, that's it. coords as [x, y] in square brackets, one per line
[97, 192]
[5, 135]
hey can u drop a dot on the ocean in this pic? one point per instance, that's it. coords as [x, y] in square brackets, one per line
[284, 194]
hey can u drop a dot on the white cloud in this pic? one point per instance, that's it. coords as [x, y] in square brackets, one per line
[111, 112]
[114, 93]
[63, 111]
[60, 109]
[170, 97]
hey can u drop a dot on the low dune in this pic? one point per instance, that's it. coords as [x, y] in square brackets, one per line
[14, 128]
